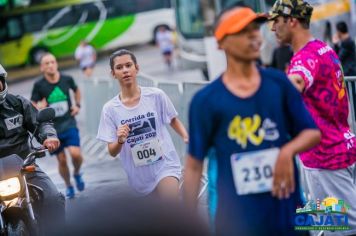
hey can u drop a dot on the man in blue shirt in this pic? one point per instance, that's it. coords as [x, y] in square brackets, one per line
[256, 121]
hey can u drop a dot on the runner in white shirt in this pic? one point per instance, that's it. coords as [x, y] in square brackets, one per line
[165, 41]
[133, 124]
[86, 56]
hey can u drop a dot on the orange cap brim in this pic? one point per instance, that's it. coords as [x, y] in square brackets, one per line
[236, 20]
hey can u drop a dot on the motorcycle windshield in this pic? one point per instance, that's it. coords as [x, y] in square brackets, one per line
[10, 166]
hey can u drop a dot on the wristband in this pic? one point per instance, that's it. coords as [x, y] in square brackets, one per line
[78, 105]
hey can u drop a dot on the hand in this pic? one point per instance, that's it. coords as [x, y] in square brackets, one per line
[74, 110]
[283, 176]
[186, 139]
[42, 104]
[335, 39]
[122, 133]
[51, 144]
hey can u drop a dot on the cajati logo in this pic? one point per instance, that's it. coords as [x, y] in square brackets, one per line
[328, 214]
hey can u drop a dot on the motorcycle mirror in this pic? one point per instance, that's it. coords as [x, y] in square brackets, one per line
[45, 114]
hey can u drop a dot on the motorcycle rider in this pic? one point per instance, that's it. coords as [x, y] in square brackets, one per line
[17, 119]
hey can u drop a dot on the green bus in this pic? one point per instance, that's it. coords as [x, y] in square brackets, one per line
[26, 32]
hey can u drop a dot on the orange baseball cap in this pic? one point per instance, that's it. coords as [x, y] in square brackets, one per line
[235, 20]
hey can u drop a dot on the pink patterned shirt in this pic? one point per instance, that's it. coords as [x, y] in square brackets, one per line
[326, 99]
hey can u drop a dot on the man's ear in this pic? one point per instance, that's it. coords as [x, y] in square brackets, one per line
[293, 22]
[137, 67]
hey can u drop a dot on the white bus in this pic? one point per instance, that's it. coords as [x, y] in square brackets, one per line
[27, 31]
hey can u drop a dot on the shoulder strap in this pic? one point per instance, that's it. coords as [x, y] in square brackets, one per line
[14, 102]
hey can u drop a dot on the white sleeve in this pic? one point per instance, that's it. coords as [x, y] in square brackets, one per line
[168, 112]
[107, 128]
[92, 50]
[77, 53]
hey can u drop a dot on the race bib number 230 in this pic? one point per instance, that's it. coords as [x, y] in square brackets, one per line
[253, 171]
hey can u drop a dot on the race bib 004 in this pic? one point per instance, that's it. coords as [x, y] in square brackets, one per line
[147, 153]
[253, 171]
[60, 108]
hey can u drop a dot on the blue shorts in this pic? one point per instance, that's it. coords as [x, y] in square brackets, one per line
[68, 138]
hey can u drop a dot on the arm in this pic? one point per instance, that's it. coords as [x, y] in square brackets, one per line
[40, 104]
[122, 133]
[336, 43]
[77, 97]
[192, 175]
[179, 128]
[304, 134]
[302, 72]
[200, 140]
[77, 54]
[110, 132]
[115, 148]
[297, 81]
[94, 54]
[284, 167]
[37, 100]
[45, 133]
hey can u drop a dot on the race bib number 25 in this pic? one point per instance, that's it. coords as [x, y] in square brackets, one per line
[253, 171]
[60, 108]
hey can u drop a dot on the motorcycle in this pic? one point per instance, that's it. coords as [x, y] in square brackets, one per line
[17, 216]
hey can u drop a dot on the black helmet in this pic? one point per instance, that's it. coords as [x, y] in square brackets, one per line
[3, 75]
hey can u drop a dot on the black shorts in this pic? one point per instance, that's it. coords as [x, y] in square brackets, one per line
[167, 53]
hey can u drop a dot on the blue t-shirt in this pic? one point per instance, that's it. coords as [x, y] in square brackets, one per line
[269, 118]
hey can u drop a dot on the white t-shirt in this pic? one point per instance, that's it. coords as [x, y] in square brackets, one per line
[165, 40]
[147, 122]
[85, 55]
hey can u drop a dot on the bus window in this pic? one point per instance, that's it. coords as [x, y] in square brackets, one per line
[112, 10]
[190, 18]
[126, 6]
[3, 31]
[14, 28]
[63, 17]
[58, 26]
[229, 3]
[33, 21]
[91, 9]
[118, 8]
[146, 5]
[269, 3]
